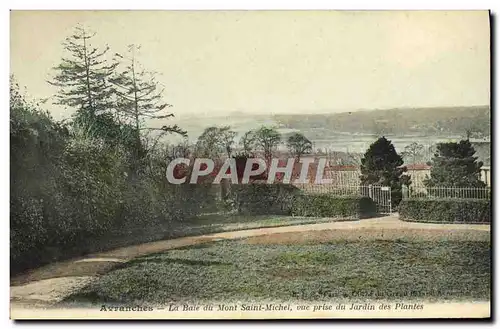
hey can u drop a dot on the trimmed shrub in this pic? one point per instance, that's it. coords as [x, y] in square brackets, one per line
[327, 205]
[446, 210]
[264, 199]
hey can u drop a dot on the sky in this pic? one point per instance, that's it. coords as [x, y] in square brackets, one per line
[276, 61]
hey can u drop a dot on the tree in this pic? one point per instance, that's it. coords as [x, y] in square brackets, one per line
[83, 81]
[382, 165]
[428, 153]
[298, 145]
[413, 151]
[267, 140]
[227, 140]
[174, 151]
[352, 159]
[83, 77]
[208, 144]
[214, 141]
[36, 140]
[140, 98]
[247, 143]
[454, 165]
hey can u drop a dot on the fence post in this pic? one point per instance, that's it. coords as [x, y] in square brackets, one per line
[390, 200]
[406, 194]
[370, 191]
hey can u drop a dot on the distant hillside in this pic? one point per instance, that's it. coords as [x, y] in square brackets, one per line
[408, 121]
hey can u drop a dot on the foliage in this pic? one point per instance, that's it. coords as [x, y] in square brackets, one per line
[139, 97]
[37, 144]
[174, 151]
[454, 165]
[62, 196]
[93, 174]
[381, 165]
[247, 143]
[227, 138]
[413, 152]
[327, 205]
[450, 210]
[267, 140]
[269, 199]
[70, 184]
[298, 145]
[215, 141]
[83, 77]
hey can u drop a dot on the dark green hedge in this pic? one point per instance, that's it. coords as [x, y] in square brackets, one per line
[446, 210]
[69, 187]
[325, 205]
[285, 199]
[264, 199]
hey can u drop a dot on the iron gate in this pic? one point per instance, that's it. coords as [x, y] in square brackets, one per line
[381, 195]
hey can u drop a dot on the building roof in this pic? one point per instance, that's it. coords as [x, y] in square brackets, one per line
[417, 166]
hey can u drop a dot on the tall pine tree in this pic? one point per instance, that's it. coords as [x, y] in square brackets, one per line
[454, 165]
[83, 78]
[382, 165]
[140, 98]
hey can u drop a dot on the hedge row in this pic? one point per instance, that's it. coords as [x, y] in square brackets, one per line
[326, 205]
[284, 199]
[264, 199]
[446, 210]
[51, 227]
[69, 188]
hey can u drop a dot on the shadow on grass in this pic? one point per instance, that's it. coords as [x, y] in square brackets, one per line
[189, 247]
[158, 259]
[86, 297]
[201, 225]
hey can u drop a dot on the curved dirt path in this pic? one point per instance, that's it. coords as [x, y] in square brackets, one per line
[51, 283]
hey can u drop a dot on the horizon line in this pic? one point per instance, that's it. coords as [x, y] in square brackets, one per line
[270, 113]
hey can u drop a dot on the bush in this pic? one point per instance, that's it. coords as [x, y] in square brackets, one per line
[189, 200]
[327, 205]
[68, 188]
[446, 210]
[264, 199]
[61, 199]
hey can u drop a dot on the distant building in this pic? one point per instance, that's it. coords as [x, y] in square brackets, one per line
[486, 175]
[420, 171]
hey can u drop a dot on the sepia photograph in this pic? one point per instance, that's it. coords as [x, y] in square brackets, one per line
[250, 164]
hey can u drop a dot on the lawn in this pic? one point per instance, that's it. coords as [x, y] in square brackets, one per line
[396, 269]
[203, 224]
[228, 222]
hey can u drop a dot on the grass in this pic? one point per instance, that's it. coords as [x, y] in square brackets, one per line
[200, 225]
[242, 222]
[203, 224]
[236, 271]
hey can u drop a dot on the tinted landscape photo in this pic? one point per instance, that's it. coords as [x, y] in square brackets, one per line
[250, 164]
